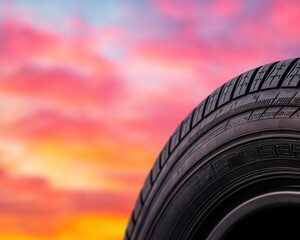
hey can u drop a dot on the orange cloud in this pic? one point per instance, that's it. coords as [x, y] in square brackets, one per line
[30, 206]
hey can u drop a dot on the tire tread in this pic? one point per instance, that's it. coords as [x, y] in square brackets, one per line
[285, 74]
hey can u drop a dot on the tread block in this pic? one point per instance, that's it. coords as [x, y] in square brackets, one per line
[210, 119]
[273, 79]
[156, 169]
[146, 188]
[259, 77]
[198, 113]
[212, 101]
[243, 83]
[137, 208]
[186, 125]
[293, 77]
[164, 154]
[227, 91]
[175, 138]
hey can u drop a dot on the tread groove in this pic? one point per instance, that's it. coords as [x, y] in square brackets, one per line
[191, 123]
[234, 87]
[282, 78]
[251, 80]
[204, 107]
[165, 154]
[270, 69]
[219, 96]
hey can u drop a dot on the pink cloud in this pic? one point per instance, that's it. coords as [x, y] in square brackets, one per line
[63, 85]
[226, 8]
[48, 124]
[40, 208]
[284, 18]
[20, 40]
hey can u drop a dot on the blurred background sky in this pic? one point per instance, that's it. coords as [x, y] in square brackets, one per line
[91, 90]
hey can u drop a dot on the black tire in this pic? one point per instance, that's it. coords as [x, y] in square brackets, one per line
[232, 167]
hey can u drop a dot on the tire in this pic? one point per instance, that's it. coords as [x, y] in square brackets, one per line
[231, 166]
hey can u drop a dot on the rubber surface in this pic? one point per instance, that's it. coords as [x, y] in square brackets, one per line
[263, 103]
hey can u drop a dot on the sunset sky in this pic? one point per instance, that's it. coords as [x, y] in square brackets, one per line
[91, 90]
